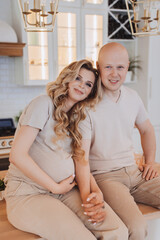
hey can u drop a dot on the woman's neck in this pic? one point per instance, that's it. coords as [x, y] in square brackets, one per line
[68, 105]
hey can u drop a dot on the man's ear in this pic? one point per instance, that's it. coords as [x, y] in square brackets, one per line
[128, 65]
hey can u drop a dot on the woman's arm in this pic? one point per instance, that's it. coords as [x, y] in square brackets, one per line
[94, 207]
[98, 198]
[91, 195]
[20, 157]
[83, 173]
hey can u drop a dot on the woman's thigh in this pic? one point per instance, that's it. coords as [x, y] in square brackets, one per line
[47, 217]
[111, 228]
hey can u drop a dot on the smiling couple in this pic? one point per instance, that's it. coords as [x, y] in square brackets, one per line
[83, 126]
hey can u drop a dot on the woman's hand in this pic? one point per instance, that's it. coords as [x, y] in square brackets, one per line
[94, 207]
[65, 185]
[95, 198]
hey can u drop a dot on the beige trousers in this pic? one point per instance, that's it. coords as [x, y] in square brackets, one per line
[122, 189]
[58, 217]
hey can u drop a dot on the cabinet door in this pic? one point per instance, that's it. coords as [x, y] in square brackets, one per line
[67, 39]
[93, 36]
[38, 56]
[94, 33]
[70, 3]
[100, 4]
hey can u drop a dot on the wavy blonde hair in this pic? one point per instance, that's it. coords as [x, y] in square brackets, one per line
[67, 122]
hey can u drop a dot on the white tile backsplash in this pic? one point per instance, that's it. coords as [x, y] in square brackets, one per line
[13, 97]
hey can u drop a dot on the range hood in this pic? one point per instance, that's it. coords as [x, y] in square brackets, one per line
[9, 45]
[11, 49]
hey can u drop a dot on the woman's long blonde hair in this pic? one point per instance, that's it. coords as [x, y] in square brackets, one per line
[67, 122]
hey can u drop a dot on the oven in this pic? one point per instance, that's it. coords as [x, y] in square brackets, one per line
[7, 130]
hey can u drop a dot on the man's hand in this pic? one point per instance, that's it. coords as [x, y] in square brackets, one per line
[94, 207]
[149, 171]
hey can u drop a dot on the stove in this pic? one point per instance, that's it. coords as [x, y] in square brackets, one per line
[7, 130]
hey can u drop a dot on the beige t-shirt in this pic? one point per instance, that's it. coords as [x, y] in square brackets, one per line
[55, 160]
[110, 129]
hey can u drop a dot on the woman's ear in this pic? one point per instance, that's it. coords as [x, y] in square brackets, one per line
[97, 65]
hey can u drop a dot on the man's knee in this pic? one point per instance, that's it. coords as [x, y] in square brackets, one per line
[137, 230]
[123, 232]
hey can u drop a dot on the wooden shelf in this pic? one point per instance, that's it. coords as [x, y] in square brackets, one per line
[11, 49]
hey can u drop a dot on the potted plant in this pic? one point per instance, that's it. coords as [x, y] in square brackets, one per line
[2, 188]
[134, 65]
[17, 117]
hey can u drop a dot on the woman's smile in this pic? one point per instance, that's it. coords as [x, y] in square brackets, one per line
[78, 91]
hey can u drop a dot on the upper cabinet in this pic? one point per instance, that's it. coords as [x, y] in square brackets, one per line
[66, 38]
[119, 27]
[81, 30]
[38, 56]
[118, 22]
[82, 27]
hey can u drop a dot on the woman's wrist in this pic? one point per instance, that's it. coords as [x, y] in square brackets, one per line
[84, 197]
[55, 188]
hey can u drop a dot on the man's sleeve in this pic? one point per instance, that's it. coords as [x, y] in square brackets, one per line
[142, 114]
[85, 127]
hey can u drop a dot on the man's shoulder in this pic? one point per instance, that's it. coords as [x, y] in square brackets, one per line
[129, 91]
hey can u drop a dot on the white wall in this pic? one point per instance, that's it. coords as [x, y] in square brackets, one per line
[5, 11]
[13, 98]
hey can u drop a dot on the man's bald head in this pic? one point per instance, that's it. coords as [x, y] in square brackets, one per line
[113, 63]
[113, 48]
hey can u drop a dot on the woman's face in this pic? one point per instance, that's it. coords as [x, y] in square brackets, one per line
[81, 87]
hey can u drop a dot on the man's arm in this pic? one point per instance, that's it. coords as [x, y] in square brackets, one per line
[148, 142]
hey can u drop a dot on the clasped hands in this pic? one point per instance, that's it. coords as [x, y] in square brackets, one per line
[94, 208]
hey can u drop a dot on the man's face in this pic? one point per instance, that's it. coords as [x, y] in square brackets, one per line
[113, 66]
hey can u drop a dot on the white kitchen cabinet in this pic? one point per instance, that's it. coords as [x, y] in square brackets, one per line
[119, 29]
[81, 30]
[82, 27]
[37, 65]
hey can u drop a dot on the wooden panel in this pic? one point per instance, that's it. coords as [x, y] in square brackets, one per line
[149, 212]
[3, 173]
[11, 49]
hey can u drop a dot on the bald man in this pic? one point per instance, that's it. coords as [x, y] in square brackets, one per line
[108, 132]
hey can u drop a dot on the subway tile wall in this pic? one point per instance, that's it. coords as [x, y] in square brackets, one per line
[13, 97]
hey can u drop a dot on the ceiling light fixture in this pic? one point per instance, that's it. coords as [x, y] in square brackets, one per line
[35, 16]
[144, 17]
